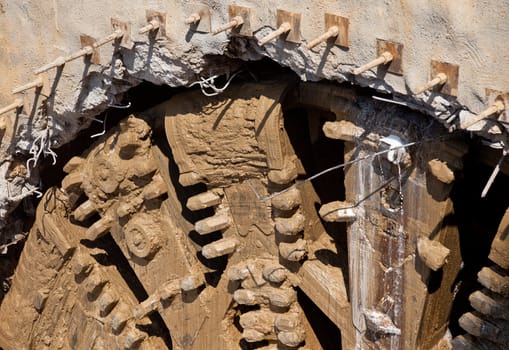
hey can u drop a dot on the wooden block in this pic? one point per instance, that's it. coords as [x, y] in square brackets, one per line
[88, 41]
[451, 71]
[294, 19]
[125, 27]
[342, 23]
[246, 13]
[396, 50]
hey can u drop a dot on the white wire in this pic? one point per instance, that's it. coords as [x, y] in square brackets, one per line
[328, 170]
[209, 83]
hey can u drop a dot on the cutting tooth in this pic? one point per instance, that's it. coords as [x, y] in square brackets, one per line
[287, 321]
[490, 304]
[155, 188]
[432, 253]
[342, 130]
[203, 200]
[84, 211]
[132, 338]
[73, 164]
[463, 342]
[290, 226]
[441, 171]
[292, 338]
[338, 212]
[287, 200]
[191, 282]
[82, 266]
[190, 178]
[121, 315]
[252, 335]
[107, 301]
[212, 224]
[95, 283]
[492, 330]
[256, 324]
[293, 251]
[248, 297]
[495, 280]
[99, 228]
[71, 182]
[274, 273]
[282, 298]
[40, 299]
[146, 307]
[283, 176]
[221, 247]
[169, 290]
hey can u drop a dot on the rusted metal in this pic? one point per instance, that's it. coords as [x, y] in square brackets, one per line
[292, 18]
[125, 38]
[450, 87]
[156, 22]
[396, 50]
[342, 23]
[87, 45]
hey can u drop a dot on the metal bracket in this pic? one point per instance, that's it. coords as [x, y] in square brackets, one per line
[293, 19]
[203, 25]
[342, 23]
[452, 71]
[126, 29]
[492, 96]
[396, 50]
[244, 12]
[87, 40]
[161, 18]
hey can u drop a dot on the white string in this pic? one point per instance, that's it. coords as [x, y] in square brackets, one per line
[209, 83]
[41, 146]
[328, 170]
[104, 127]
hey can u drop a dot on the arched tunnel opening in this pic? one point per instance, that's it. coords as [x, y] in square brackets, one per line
[477, 218]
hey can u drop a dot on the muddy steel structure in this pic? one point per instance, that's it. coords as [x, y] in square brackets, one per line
[254, 174]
